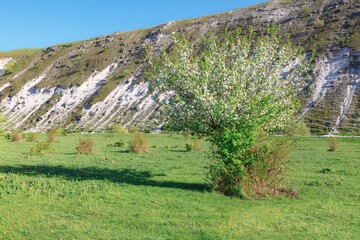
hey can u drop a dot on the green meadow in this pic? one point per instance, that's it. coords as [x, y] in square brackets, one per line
[116, 194]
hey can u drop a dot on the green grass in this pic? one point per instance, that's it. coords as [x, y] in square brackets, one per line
[114, 194]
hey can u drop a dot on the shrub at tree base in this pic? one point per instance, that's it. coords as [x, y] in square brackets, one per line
[139, 144]
[85, 146]
[256, 173]
[237, 95]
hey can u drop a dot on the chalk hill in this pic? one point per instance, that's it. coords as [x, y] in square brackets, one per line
[91, 84]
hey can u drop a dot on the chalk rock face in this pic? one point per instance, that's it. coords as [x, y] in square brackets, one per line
[91, 84]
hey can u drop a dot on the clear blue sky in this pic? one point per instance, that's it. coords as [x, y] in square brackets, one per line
[42, 23]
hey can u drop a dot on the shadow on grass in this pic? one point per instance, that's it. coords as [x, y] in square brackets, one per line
[128, 176]
[182, 151]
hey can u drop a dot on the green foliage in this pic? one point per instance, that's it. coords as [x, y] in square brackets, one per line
[64, 132]
[343, 41]
[297, 129]
[8, 136]
[10, 67]
[139, 144]
[253, 170]
[305, 10]
[119, 143]
[189, 147]
[118, 128]
[85, 146]
[104, 50]
[80, 52]
[42, 148]
[319, 23]
[133, 130]
[31, 137]
[237, 94]
[193, 146]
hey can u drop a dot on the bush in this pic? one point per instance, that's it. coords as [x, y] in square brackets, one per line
[319, 23]
[51, 135]
[197, 146]
[10, 67]
[187, 135]
[118, 128]
[31, 137]
[64, 132]
[333, 144]
[260, 176]
[8, 136]
[139, 143]
[193, 146]
[119, 143]
[15, 136]
[133, 130]
[189, 147]
[305, 10]
[42, 148]
[297, 129]
[85, 146]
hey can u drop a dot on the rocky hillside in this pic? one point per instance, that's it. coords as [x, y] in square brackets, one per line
[91, 84]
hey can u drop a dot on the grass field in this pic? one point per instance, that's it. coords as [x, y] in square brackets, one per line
[114, 194]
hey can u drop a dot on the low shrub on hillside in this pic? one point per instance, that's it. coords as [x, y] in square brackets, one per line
[64, 132]
[133, 130]
[139, 143]
[31, 137]
[305, 10]
[297, 129]
[118, 128]
[319, 23]
[85, 146]
[42, 148]
[333, 144]
[15, 136]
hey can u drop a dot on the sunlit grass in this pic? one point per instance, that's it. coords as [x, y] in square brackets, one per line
[115, 194]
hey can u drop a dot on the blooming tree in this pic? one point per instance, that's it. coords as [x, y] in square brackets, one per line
[242, 88]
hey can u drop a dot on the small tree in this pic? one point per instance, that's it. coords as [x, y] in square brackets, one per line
[237, 93]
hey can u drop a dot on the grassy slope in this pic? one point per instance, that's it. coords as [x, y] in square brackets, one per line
[114, 194]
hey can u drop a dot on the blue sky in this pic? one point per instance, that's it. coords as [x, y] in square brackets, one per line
[42, 23]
